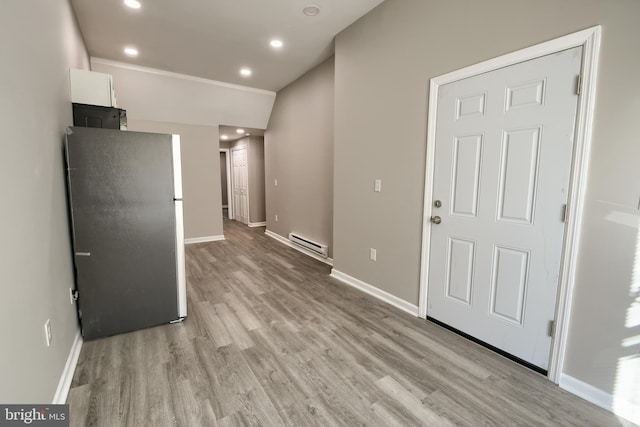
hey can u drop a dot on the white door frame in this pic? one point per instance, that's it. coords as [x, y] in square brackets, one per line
[227, 159]
[589, 39]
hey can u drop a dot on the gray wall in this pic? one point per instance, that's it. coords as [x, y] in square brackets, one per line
[299, 154]
[257, 208]
[223, 179]
[159, 102]
[39, 41]
[255, 165]
[383, 66]
[200, 180]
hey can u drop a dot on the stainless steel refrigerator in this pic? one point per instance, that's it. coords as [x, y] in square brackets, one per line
[125, 197]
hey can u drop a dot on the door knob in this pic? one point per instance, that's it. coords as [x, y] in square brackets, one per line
[436, 219]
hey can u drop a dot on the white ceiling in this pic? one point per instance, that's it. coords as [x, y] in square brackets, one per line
[213, 39]
[233, 135]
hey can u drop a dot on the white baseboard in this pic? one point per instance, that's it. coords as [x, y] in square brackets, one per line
[378, 293]
[619, 406]
[287, 242]
[586, 391]
[64, 384]
[258, 224]
[203, 239]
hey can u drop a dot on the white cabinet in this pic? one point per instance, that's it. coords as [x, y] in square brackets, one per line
[89, 87]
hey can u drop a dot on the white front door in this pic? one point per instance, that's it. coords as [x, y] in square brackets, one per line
[240, 185]
[502, 166]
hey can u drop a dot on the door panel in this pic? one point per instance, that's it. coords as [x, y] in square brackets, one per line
[460, 269]
[466, 175]
[508, 283]
[518, 175]
[501, 169]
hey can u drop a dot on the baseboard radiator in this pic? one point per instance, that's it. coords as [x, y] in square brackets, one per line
[320, 249]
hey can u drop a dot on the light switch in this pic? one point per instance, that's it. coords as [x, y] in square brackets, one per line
[377, 186]
[372, 254]
[275, 182]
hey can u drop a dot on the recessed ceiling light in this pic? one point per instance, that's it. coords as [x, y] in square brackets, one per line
[311, 10]
[239, 130]
[247, 134]
[133, 4]
[245, 71]
[131, 51]
[224, 137]
[276, 43]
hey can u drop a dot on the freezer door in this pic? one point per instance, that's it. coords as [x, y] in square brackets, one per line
[121, 189]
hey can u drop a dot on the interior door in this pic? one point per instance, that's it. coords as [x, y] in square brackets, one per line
[502, 167]
[240, 185]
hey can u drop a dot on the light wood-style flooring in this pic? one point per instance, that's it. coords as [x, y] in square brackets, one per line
[272, 340]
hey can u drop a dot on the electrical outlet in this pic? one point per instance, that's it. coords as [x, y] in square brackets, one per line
[377, 186]
[373, 254]
[47, 332]
[275, 182]
[276, 217]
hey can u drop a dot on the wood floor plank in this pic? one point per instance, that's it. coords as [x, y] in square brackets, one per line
[133, 396]
[411, 403]
[435, 349]
[233, 326]
[257, 409]
[390, 417]
[217, 331]
[298, 414]
[271, 339]
[79, 411]
[249, 283]
[189, 409]
[246, 260]
[244, 313]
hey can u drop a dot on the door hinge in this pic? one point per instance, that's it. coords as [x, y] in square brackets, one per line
[552, 328]
[578, 84]
[75, 294]
[565, 213]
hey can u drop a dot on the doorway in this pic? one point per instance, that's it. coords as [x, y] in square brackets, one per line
[473, 272]
[243, 149]
[501, 179]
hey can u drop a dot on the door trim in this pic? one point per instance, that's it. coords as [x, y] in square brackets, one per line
[589, 39]
[227, 159]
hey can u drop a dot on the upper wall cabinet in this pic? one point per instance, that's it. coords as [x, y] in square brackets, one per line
[89, 87]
